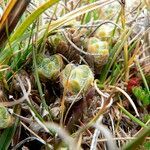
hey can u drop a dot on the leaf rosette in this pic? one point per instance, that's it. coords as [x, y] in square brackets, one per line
[77, 78]
[49, 67]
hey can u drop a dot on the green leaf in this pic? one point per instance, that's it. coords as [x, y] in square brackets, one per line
[139, 122]
[147, 145]
[141, 95]
[7, 134]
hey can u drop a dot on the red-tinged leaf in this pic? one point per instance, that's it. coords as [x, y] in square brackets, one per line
[133, 82]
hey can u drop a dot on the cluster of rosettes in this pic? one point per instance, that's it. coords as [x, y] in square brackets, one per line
[74, 78]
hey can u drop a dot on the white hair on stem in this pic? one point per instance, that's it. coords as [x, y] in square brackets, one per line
[100, 128]
[62, 134]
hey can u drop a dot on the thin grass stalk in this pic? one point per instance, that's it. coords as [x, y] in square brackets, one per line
[132, 117]
[94, 119]
[46, 31]
[77, 12]
[33, 111]
[142, 75]
[123, 21]
[34, 52]
[128, 97]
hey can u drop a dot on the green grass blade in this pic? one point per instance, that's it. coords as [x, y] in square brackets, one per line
[132, 117]
[6, 136]
[19, 32]
[114, 53]
[31, 18]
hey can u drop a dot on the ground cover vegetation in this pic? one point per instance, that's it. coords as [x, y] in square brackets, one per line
[74, 74]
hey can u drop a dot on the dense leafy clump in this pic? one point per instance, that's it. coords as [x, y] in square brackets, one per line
[74, 74]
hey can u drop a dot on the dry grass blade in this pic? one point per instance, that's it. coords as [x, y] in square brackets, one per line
[128, 97]
[10, 18]
[28, 100]
[101, 128]
[77, 12]
[20, 100]
[103, 95]
[8, 9]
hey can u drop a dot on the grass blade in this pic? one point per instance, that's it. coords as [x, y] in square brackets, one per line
[30, 19]
[138, 141]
